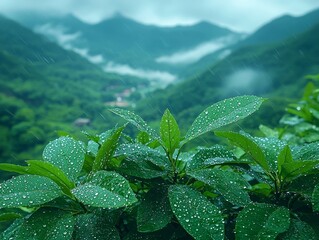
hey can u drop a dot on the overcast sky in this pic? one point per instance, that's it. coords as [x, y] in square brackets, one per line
[240, 15]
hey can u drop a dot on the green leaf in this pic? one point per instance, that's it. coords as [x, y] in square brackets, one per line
[268, 132]
[210, 156]
[9, 233]
[262, 221]
[41, 168]
[91, 226]
[47, 169]
[229, 184]
[248, 146]
[106, 151]
[67, 154]
[154, 211]
[306, 152]
[143, 138]
[27, 191]
[304, 184]
[142, 161]
[284, 157]
[262, 189]
[169, 131]
[107, 190]
[315, 199]
[48, 223]
[271, 148]
[297, 168]
[223, 113]
[136, 120]
[13, 168]
[9, 216]
[198, 216]
[299, 230]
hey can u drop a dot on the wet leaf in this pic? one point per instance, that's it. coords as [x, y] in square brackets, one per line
[107, 190]
[9, 216]
[66, 154]
[223, 113]
[304, 184]
[229, 184]
[284, 157]
[136, 120]
[315, 199]
[47, 169]
[154, 211]
[143, 138]
[27, 191]
[41, 168]
[106, 151]
[297, 168]
[50, 224]
[299, 230]
[268, 132]
[306, 152]
[248, 146]
[169, 132]
[198, 216]
[271, 148]
[262, 221]
[91, 226]
[142, 161]
[13, 168]
[9, 233]
[210, 156]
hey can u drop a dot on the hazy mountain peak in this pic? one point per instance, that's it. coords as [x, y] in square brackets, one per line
[282, 28]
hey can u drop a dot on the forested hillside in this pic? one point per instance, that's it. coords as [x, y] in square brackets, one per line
[44, 89]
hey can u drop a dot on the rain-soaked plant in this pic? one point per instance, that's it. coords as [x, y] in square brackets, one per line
[302, 121]
[118, 187]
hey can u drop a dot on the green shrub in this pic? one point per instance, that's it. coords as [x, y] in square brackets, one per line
[117, 187]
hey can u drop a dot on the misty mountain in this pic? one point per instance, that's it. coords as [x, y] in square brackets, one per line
[275, 70]
[277, 30]
[45, 88]
[125, 46]
[281, 28]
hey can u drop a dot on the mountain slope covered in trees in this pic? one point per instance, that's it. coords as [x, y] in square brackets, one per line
[43, 89]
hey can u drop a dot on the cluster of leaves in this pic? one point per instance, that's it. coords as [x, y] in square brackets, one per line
[301, 124]
[117, 187]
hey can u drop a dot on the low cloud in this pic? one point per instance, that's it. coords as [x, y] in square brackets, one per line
[247, 81]
[59, 34]
[196, 53]
[164, 77]
[224, 54]
[84, 52]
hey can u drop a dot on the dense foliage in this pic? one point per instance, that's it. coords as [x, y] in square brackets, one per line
[117, 187]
